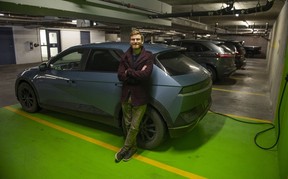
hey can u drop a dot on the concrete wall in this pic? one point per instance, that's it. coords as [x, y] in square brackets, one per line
[276, 54]
[69, 37]
[23, 53]
[278, 69]
[112, 38]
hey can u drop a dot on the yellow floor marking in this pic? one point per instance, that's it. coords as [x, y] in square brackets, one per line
[248, 118]
[235, 91]
[106, 145]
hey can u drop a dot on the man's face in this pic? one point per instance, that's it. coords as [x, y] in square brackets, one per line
[136, 41]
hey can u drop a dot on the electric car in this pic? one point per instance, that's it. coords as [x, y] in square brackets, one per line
[82, 81]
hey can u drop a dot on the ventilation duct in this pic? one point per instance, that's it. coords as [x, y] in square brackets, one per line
[229, 10]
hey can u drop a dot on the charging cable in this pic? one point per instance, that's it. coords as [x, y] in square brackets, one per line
[264, 123]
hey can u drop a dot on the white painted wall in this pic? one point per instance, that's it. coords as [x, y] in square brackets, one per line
[97, 36]
[112, 38]
[69, 37]
[23, 53]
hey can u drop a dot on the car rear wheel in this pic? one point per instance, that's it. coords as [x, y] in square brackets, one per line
[27, 98]
[152, 130]
[212, 73]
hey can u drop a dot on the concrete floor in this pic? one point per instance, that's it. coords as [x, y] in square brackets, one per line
[54, 145]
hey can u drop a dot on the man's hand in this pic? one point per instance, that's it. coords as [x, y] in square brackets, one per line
[143, 68]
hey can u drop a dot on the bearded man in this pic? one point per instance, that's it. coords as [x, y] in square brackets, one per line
[134, 71]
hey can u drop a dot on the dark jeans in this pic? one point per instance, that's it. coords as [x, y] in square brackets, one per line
[132, 117]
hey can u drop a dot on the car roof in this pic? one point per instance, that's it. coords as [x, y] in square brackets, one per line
[153, 48]
[192, 40]
[228, 40]
[205, 41]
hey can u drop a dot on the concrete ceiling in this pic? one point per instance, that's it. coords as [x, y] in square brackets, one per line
[37, 15]
[229, 23]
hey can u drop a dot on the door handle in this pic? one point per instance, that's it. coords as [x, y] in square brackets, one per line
[118, 84]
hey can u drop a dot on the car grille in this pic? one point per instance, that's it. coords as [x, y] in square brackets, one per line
[194, 115]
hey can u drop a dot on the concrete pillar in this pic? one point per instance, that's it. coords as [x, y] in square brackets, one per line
[125, 33]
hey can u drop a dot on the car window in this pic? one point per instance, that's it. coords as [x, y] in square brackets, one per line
[70, 61]
[231, 46]
[175, 63]
[177, 43]
[103, 60]
[226, 49]
[195, 47]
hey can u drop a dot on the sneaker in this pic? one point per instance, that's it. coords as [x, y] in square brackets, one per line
[129, 154]
[120, 155]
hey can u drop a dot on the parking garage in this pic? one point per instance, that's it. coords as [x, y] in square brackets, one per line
[243, 135]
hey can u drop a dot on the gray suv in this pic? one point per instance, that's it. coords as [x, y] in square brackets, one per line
[218, 59]
[82, 81]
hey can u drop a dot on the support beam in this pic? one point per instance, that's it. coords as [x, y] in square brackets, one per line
[89, 9]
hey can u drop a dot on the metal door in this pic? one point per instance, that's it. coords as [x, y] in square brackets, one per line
[7, 46]
[53, 42]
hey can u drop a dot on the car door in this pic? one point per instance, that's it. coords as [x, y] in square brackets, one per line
[57, 85]
[99, 84]
[196, 51]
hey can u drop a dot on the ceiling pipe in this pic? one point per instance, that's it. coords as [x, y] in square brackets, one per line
[128, 5]
[225, 11]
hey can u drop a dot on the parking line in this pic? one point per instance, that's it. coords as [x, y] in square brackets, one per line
[106, 145]
[235, 91]
[247, 118]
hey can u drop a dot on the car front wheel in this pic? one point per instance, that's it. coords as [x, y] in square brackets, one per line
[27, 98]
[152, 130]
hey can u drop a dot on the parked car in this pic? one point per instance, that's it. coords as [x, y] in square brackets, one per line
[252, 50]
[82, 81]
[218, 59]
[239, 51]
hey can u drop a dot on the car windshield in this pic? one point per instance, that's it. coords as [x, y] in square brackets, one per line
[175, 63]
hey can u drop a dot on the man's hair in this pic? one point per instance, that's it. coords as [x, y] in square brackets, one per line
[136, 32]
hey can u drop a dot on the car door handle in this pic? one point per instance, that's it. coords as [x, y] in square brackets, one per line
[118, 84]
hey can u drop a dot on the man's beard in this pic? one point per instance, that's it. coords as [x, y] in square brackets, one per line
[136, 45]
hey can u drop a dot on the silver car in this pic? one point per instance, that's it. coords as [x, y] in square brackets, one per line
[82, 81]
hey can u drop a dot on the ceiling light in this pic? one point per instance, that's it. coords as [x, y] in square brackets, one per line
[246, 23]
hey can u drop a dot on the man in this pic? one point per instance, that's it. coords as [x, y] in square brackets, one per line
[134, 71]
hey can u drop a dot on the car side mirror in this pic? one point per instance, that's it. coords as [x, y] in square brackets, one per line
[43, 67]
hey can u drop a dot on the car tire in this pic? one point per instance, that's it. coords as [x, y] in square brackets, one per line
[152, 130]
[27, 98]
[212, 72]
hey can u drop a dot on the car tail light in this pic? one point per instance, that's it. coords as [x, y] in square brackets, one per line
[224, 55]
[196, 87]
